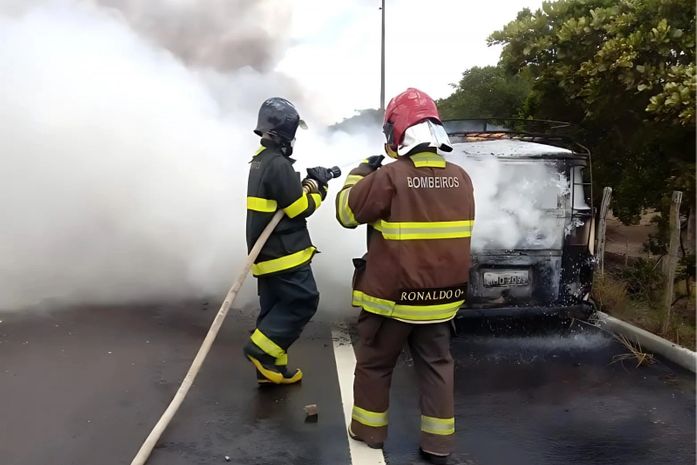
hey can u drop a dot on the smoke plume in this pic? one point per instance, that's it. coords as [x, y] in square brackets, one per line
[220, 34]
[125, 162]
[125, 132]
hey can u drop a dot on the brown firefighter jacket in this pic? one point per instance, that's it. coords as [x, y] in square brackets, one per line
[420, 212]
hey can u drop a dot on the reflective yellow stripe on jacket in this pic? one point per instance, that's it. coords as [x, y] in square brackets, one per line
[428, 159]
[392, 309]
[297, 207]
[317, 198]
[258, 204]
[404, 231]
[352, 179]
[302, 204]
[284, 263]
[343, 211]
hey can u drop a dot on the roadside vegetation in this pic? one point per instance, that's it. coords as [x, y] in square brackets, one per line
[624, 72]
[634, 293]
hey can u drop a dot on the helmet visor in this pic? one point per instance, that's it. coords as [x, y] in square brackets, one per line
[427, 132]
[388, 130]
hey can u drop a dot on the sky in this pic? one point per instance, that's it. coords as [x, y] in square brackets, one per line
[334, 50]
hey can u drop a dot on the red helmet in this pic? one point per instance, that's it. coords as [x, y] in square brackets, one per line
[405, 110]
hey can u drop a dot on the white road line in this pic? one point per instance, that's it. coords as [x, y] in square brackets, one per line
[345, 364]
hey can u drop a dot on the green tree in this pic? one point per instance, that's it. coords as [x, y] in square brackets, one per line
[486, 92]
[624, 70]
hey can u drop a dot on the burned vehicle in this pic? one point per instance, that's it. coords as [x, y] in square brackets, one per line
[533, 237]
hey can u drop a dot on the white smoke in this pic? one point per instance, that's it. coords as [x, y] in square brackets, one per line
[124, 150]
[124, 168]
[519, 204]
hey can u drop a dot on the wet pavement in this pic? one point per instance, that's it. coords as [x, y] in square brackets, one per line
[85, 386]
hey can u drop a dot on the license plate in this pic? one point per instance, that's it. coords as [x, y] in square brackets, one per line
[506, 278]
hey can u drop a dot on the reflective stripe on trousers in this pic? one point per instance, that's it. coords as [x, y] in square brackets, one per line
[440, 426]
[381, 341]
[270, 347]
[368, 418]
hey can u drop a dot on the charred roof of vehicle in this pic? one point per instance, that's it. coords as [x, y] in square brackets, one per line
[514, 138]
[509, 148]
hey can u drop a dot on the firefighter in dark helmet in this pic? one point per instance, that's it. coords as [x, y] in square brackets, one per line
[412, 280]
[288, 294]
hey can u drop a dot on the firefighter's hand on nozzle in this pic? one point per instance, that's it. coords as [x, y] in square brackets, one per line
[374, 162]
[318, 178]
[320, 174]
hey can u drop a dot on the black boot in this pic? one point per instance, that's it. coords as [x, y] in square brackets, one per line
[372, 445]
[433, 458]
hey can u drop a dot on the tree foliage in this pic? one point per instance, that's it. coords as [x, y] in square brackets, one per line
[604, 52]
[486, 92]
[624, 70]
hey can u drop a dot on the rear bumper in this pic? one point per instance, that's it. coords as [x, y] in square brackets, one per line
[579, 311]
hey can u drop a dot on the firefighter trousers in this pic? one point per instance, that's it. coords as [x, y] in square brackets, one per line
[288, 301]
[381, 341]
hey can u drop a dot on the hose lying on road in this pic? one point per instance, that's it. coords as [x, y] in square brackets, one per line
[146, 449]
[150, 442]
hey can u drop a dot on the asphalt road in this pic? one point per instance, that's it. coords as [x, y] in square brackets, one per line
[85, 385]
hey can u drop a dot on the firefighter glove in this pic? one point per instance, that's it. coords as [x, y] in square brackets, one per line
[374, 162]
[321, 175]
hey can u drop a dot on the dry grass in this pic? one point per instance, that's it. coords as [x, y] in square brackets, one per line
[611, 296]
[635, 352]
[609, 293]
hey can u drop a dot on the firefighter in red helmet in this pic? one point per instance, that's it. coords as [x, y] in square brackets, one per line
[413, 278]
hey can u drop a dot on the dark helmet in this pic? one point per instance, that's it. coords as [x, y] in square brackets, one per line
[279, 117]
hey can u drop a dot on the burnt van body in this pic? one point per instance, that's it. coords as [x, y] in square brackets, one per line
[532, 243]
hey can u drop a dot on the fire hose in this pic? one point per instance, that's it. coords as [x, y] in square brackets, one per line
[146, 449]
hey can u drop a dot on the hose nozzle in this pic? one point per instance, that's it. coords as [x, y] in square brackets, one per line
[311, 185]
[336, 171]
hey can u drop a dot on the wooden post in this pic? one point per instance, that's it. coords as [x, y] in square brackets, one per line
[602, 225]
[626, 252]
[670, 262]
[690, 239]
